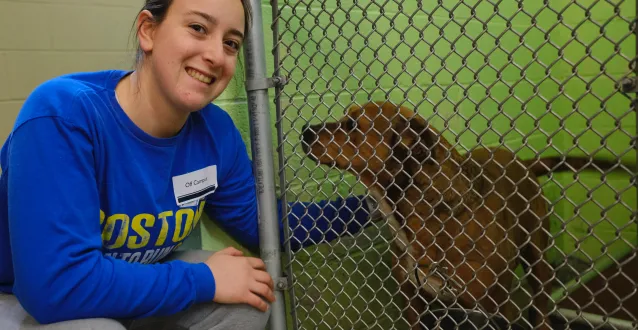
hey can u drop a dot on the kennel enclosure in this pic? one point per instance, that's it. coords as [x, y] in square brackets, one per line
[536, 77]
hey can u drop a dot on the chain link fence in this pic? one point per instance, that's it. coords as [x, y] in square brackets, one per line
[479, 240]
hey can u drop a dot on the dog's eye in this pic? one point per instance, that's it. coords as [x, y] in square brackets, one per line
[350, 124]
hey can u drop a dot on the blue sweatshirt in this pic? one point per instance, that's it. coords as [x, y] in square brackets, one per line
[89, 203]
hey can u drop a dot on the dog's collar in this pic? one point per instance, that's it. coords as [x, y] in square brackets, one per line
[433, 270]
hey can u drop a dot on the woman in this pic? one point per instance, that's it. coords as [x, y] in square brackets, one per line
[145, 152]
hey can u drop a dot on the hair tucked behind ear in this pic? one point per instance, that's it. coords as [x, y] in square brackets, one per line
[159, 8]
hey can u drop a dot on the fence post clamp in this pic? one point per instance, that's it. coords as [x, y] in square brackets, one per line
[282, 283]
[265, 83]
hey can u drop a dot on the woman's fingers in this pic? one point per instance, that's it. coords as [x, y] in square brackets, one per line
[263, 290]
[256, 301]
[231, 251]
[256, 263]
[241, 279]
[264, 277]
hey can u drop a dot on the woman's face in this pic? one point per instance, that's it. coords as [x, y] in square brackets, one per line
[192, 54]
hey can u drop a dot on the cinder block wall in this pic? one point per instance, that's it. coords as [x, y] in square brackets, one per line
[40, 39]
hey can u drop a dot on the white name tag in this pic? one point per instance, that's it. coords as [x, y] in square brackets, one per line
[191, 187]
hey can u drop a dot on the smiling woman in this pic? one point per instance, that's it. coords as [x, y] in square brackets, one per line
[106, 174]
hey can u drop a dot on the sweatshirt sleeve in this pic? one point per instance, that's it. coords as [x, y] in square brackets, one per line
[54, 212]
[234, 206]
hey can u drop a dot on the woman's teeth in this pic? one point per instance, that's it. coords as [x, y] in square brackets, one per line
[199, 76]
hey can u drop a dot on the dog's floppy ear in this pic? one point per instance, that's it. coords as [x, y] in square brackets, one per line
[413, 137]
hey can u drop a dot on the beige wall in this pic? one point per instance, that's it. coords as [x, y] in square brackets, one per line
[40, 39]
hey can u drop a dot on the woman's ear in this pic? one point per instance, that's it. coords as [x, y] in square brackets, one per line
[145, 30]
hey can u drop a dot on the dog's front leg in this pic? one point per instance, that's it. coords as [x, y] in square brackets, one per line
[476, 279]
[414, 304]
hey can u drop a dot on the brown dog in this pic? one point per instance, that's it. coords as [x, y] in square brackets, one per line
[461, 224]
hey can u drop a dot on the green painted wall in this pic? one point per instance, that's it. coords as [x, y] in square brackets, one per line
[513, 74]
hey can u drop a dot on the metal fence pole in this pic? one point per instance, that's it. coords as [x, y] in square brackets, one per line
[274, 4]
[257, 85]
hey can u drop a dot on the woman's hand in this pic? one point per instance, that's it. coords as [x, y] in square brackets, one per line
[240, 279]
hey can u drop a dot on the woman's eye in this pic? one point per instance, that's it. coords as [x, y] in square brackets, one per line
[198, 28]
[233, 44]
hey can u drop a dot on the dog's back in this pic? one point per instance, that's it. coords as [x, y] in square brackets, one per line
[513, 216]
[509, 181]
[511, 188]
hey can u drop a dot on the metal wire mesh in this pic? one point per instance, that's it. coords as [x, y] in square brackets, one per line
[536, 78]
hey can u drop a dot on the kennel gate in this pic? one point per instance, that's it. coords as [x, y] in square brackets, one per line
[537, 77]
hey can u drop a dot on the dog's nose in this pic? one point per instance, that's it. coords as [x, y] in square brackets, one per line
[307, 137]
[307, 133]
